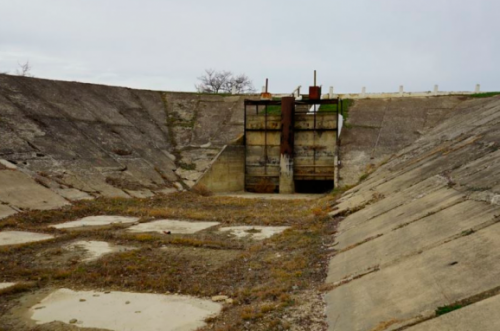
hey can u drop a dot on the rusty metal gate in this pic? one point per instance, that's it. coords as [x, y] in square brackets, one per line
[314, 140]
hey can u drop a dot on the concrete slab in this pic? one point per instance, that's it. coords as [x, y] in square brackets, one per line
[8, 164]
[21, 237]
[438, 277]
[123, 311]
[143, 194]
[254, 232]
[249, 195]
[174, 226]
[352, 233]
[19, 190]
[405, 196]
[3, 286]
[73, 194]
[168, 190]
[94, 250]
[482, 316]
[97, 221]
[6, 211]
[412, 239]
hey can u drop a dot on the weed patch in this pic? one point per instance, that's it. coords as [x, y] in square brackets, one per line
[447, 309]
[484, 95]
[265, 279]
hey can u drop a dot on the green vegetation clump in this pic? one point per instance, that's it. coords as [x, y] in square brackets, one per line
[187, 166]
[485, 95]
[363, 177]
[273, 110]
[447, 309]
[346, 104]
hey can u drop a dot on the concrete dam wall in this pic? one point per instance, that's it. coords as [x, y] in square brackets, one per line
[70, 141]
[418, 242]
[377, 129]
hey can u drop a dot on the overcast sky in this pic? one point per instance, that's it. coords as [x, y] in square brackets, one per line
[166, 45]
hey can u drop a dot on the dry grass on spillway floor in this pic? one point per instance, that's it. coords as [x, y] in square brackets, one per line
[275, 283]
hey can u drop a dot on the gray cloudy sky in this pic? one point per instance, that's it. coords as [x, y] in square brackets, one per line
[166, 45]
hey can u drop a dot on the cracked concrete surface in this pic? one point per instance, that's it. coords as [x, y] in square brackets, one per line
[254, 232]
[172, 226]
[423, 231]
[95, 221]
[124, 311]
[22, 237]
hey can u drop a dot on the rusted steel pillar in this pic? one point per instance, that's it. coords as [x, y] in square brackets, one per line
[287, 184]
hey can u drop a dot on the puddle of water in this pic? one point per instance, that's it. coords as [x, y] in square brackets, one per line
[254, 232]
[21, 237]
[96, 221]
[96, 249]
[124, 311]
[180, 227]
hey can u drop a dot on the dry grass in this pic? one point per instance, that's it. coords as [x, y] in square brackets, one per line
[265, 279]
[265, 186]
[202, 190]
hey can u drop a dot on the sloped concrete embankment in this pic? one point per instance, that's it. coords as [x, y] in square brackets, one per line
[66, 141]
[421, 236]
[377, 129]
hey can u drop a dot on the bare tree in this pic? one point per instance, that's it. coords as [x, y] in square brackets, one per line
[241, 84]
[24, 69]
[213, 81]
[223, 81]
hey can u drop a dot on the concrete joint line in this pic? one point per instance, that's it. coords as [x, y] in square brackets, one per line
[350, 278]
[463, 303]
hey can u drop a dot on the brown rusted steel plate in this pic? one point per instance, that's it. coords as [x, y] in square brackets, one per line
[287, 124]
[266, 96]
[314, 93]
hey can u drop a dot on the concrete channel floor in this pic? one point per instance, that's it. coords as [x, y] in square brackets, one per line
[124, 311]
[254, 232]
[6, 211]
[21, 237]
[94, 250]
[172, 226]
[271, 196]
[96, 221]
[3, 286]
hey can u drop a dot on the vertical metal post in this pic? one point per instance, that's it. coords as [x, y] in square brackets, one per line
[245, 146]
[265, 142]
[287, 184]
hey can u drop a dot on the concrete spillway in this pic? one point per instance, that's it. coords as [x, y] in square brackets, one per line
[421, 238]
[65, 141]
[417, 242]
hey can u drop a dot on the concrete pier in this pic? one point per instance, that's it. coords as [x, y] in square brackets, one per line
[287, 184]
